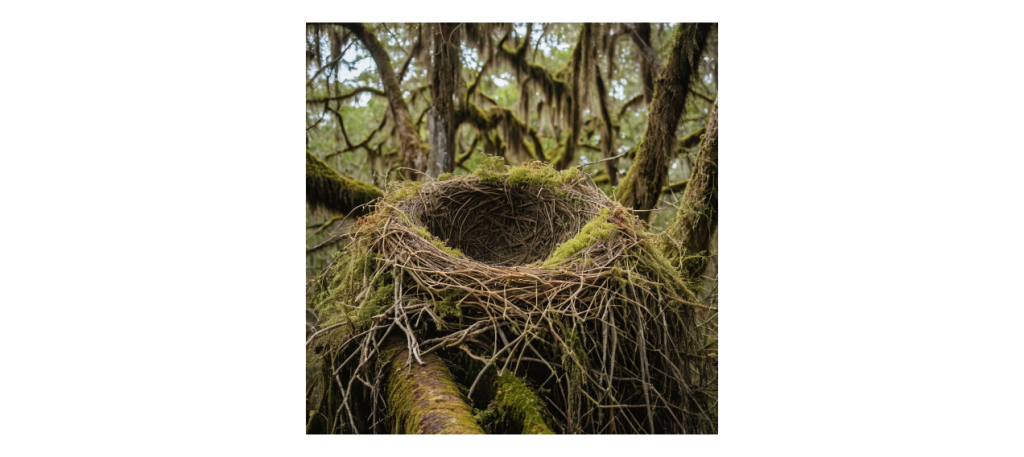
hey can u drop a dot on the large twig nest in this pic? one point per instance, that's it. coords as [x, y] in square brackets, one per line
[525, 271]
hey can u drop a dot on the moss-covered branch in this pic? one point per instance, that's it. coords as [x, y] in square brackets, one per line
[424, 399]
[686, 142]
[677, 186]
[641, 186]
[630, 104]
[518, 408]
[685, 241]
[692, 139]
[347, 95]
[327, 189]
[464, 155]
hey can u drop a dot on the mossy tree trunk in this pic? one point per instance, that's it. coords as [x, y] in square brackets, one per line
[445, 70]
[641, 186]
[414, 152]
[686, 240]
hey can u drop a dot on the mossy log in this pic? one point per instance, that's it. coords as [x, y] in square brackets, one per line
[328, 189]
[424, 399]
[685, 242]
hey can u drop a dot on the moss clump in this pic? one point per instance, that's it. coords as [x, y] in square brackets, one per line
[445, 176]
[600, 228]
[454, 252]
[518, 409]
[378, 301]
[340, 283]
[491, 170]
[537, 174]
[402, 190]
[450, 305]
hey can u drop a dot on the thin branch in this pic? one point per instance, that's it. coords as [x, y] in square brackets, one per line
[349, 95]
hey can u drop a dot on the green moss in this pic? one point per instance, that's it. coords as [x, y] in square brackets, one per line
[402, 190]
[379, 300]
[445, 176]
[450, 304]
[538, 174]
[454, 252]
[598, 229]
[491, 170]
[485, 417]
[518, 409]
[340, 283]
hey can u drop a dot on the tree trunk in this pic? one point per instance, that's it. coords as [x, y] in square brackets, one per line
[641, 186]
[686, 240]
[414, 152]
[445, 71]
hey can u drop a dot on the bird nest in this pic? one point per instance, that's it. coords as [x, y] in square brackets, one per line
[525, 271]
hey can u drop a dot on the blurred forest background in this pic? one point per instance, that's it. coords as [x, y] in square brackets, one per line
[566, 94]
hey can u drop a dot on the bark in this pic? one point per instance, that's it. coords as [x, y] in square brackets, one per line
[327, 189]
[687, 239]
[445, 71]
[641, 186]
[424, 399]
[414, 152]
[607, 134]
